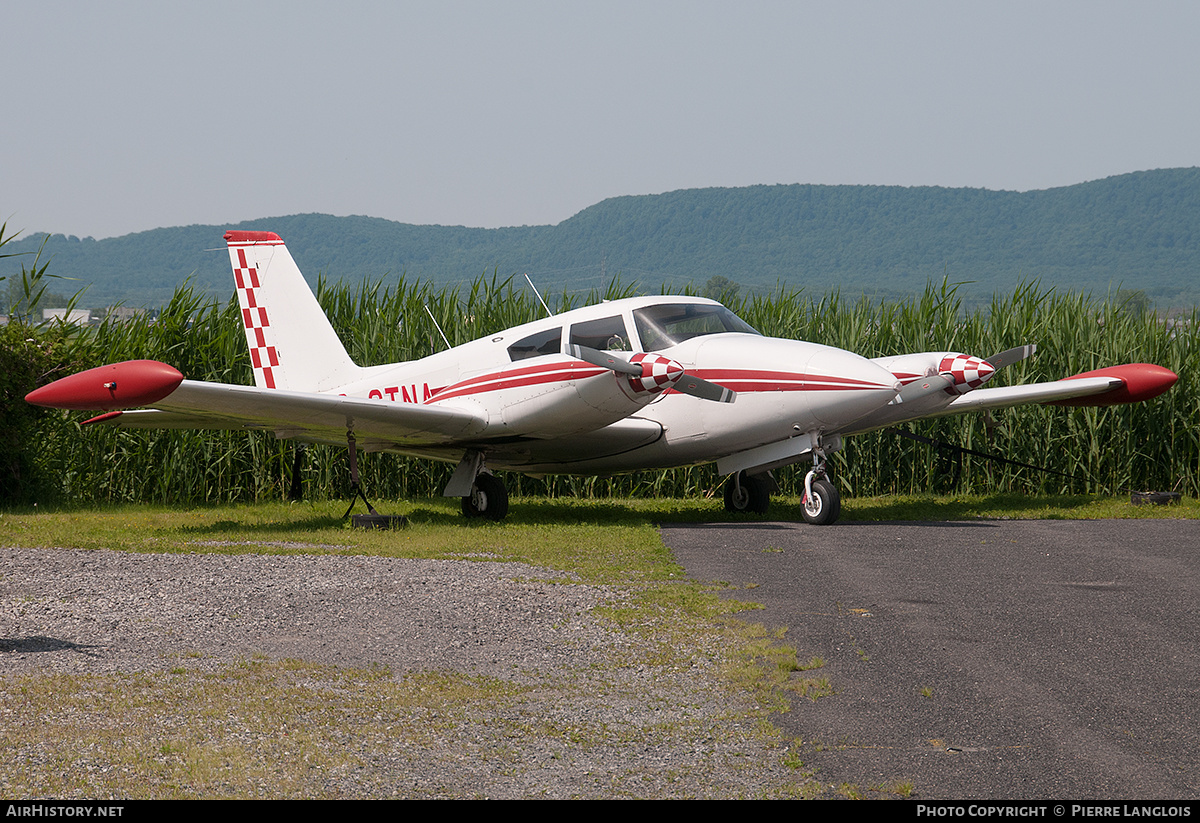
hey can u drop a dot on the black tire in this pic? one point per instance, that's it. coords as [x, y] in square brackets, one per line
[488, 498]
[825, 505]
[747, 494]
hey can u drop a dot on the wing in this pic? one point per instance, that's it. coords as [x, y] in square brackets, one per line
[317, 417]
[555, 399]
[1111, 386]
[178, 403]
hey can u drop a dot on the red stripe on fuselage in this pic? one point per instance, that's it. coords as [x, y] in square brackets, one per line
[740, 380]
[517, 378]
[753, 380]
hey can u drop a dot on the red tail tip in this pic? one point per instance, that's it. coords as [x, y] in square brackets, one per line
[239, 236]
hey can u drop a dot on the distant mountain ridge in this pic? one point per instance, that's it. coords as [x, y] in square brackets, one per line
[1139, 231]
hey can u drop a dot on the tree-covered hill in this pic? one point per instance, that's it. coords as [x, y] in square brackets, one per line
[1139, 231]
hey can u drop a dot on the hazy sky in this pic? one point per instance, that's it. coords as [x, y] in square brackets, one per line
[127, 116]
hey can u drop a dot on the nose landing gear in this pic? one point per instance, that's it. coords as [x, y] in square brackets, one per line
[749, 490]
[821, 504]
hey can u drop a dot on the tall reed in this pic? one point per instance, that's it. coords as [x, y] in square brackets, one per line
[1153, 445]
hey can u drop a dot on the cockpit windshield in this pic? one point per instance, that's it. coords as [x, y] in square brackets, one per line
[669, 324]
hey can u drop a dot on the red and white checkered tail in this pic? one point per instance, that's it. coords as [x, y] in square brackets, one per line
[292, 345]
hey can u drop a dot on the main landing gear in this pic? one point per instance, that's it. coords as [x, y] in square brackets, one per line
[748, 493]
[482, 493]
[488, 498]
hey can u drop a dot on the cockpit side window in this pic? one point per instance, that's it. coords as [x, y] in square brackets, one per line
[669, 324]
[605, 334]
[535, 345]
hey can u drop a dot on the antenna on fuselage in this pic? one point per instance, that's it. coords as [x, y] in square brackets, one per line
[539, 296]
[436, 326]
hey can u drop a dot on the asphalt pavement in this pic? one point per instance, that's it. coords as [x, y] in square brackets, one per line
[1015, 660]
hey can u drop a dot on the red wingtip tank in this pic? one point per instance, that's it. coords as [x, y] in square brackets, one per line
[115, 386]
[1143, 381]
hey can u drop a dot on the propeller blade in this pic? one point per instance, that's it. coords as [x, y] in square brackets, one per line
[1013, 355]
[604, 360]
[704, 389]
[923, 387]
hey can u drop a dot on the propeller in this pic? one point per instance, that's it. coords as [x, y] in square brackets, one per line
[960, 373]
[653, 373]
[604, 360]
[1013, 355]
[924, 387]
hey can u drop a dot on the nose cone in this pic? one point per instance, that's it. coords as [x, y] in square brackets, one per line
[786, 386]
[843, 387]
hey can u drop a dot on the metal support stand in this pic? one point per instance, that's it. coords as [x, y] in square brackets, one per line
[374, 520]
[296, 492]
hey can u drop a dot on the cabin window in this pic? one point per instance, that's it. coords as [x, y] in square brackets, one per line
[605, 334]
[535, 345]
[669, 324]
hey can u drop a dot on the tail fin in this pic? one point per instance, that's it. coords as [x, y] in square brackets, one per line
[292, 345]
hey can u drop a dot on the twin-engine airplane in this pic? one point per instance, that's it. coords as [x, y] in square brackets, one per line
[638, 383]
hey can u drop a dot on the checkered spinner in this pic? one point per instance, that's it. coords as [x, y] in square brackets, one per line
[966, 371]
[658, 373]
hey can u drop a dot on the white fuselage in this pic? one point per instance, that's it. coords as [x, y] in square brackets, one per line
[547, 411]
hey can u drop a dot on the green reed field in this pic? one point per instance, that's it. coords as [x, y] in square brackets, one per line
[47, 458]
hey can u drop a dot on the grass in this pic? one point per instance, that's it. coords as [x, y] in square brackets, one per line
[600, 540]
[598, 543]
[290, 728]
[256, 729]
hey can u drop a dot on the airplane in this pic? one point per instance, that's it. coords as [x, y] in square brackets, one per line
[631, 384]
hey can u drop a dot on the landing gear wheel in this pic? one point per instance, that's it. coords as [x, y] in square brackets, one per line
[488, 498]
[824, 505]
[747, 494]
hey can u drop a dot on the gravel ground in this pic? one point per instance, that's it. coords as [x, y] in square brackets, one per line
[656, 730]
